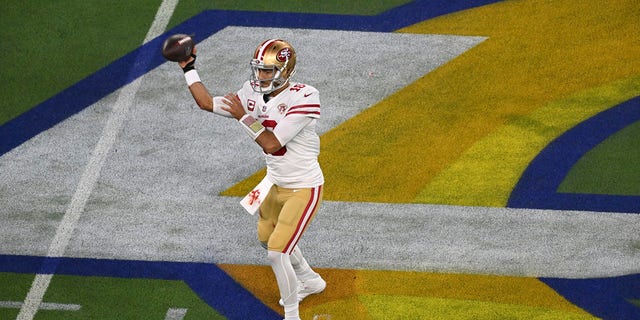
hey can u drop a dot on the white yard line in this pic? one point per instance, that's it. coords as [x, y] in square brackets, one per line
[92, 171]
[43, 306]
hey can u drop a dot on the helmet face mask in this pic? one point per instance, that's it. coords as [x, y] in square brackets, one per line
[263, 84]
[272, 66]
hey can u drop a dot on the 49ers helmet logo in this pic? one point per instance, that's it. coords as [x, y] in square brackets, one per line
[284, 55]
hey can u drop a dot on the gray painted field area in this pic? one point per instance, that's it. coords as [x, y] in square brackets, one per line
[156, 194]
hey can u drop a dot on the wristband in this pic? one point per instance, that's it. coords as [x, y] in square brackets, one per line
[191, 77]
[251, 126]
[191, 65]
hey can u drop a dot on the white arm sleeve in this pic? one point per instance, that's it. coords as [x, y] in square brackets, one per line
[289, 128]
[218, 103]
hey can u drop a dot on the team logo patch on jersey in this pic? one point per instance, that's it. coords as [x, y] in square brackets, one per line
[251, 104]
[282, 108]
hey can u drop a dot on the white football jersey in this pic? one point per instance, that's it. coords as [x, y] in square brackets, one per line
[292, 117]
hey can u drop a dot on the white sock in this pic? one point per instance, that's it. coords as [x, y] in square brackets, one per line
[291, 312]
[300, 266]
[299, 263]
[287, 282]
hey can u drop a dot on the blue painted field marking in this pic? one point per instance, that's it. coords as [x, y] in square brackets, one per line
[606, 298]
[539, 183]
[208, 281]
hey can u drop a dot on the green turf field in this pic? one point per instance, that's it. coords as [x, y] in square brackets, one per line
[610, 168]
[56, 44]
[106, 298]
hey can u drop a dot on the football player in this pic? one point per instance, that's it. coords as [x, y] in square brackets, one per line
[280, 116]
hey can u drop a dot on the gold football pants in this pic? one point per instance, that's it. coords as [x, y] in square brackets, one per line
[285, 214]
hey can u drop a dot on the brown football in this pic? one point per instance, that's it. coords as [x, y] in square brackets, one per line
[177, 47]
